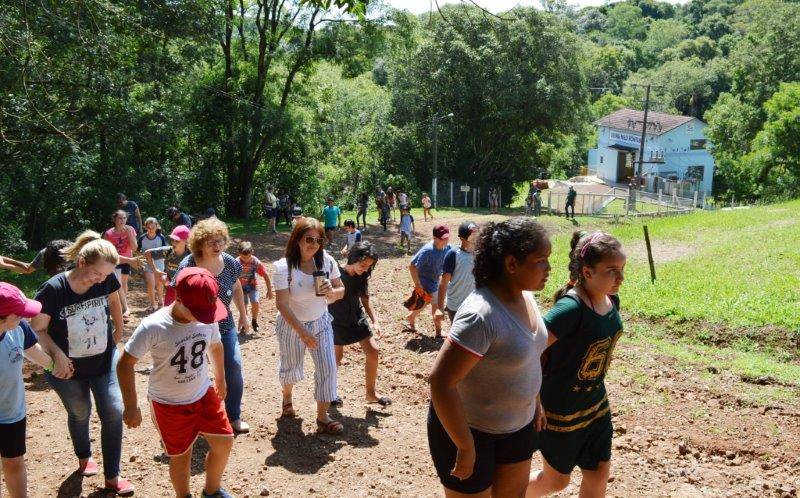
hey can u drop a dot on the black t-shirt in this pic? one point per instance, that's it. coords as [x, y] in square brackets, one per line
[80, 325]
[347, 312]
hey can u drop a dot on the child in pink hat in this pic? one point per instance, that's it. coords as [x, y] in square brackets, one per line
[17, 340]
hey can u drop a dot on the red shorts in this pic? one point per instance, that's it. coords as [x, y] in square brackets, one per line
[179, 425]
[169, 295]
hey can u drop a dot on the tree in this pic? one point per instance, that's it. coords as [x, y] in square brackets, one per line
[732, 125]
[769, 52]
[775, 154]
[281, 50]
[625, 22]
[663, 34]
[608, 66]
[702, 48]
[685, 87]
[506, 82]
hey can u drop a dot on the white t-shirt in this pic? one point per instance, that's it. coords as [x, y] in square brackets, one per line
[304, 302]
[179, 351]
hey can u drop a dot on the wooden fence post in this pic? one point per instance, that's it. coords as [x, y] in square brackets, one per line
[649, 255]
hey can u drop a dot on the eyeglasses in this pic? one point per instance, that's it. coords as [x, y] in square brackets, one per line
[216, 242]
[314, 240]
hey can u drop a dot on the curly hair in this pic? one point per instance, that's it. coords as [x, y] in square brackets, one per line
[204, 231]
[587, 250]
[516, 237]
[53, 260]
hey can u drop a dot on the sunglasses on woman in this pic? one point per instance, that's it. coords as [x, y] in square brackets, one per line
[314, 240]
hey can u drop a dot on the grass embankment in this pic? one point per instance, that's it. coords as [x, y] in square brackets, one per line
[727, 293]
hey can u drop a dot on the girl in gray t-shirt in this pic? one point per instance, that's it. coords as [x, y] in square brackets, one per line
[485, 408]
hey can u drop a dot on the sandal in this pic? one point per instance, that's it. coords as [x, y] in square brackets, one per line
[334, 427]
[287, 411]
[383, 401]
[407, 327]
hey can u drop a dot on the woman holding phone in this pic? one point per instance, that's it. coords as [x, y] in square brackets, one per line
[306, 280]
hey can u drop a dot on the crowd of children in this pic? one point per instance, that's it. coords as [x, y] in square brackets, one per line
[505, 373]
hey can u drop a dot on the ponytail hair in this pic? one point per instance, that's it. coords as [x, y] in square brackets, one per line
[586, 250]
[90, 247]
[516, 237]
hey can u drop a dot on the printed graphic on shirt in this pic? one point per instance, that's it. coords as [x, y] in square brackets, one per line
[189, 357]
[87, 327]
[15, 355]
[597, 359]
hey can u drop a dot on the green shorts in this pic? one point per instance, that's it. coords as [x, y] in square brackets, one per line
[586, 448]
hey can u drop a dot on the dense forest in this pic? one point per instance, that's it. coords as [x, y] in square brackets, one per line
[202, 103]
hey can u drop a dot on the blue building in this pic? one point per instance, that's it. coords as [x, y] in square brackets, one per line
[676, 156]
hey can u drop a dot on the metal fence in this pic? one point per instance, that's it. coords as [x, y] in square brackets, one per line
[615, 203]
[453, 193]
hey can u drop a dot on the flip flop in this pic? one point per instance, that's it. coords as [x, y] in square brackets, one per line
[334, 427]
[383, 401]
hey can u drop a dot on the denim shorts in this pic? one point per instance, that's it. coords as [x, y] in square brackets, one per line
[159, 264]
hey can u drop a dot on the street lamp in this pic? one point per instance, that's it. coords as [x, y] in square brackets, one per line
[436, 119]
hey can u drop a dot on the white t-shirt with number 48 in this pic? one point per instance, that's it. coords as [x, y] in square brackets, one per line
[179, 351]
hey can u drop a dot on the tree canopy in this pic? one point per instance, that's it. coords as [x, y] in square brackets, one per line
[203, 103]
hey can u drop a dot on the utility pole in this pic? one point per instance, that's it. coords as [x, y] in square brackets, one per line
[638, 172]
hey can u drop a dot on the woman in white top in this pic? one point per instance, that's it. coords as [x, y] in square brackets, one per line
[303, 320]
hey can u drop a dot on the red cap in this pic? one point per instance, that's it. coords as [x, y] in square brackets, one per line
[197, 289]
[14, 302]
[180, 232]
[441, 232]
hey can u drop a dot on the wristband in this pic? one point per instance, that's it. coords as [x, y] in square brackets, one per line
[49, 369]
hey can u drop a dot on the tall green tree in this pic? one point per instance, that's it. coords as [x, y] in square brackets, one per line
[509, 84]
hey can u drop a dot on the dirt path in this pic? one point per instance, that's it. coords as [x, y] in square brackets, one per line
[678, 432]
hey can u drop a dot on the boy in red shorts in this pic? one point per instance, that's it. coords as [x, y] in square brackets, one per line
[183, 404]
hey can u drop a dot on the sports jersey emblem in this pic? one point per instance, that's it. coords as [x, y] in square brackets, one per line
[597, 359]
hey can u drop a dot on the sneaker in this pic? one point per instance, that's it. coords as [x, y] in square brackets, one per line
[90, 468]
[254, 323]
[221, 493]
[239, 427]
[122, 488]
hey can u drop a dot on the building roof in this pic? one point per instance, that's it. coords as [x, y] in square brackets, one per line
[631, 120]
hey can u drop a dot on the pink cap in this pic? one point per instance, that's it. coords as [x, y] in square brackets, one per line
[180, 232]
[14, 302]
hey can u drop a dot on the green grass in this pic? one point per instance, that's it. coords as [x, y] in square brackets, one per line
[617, 206]
[739, 268]
[725, 359]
